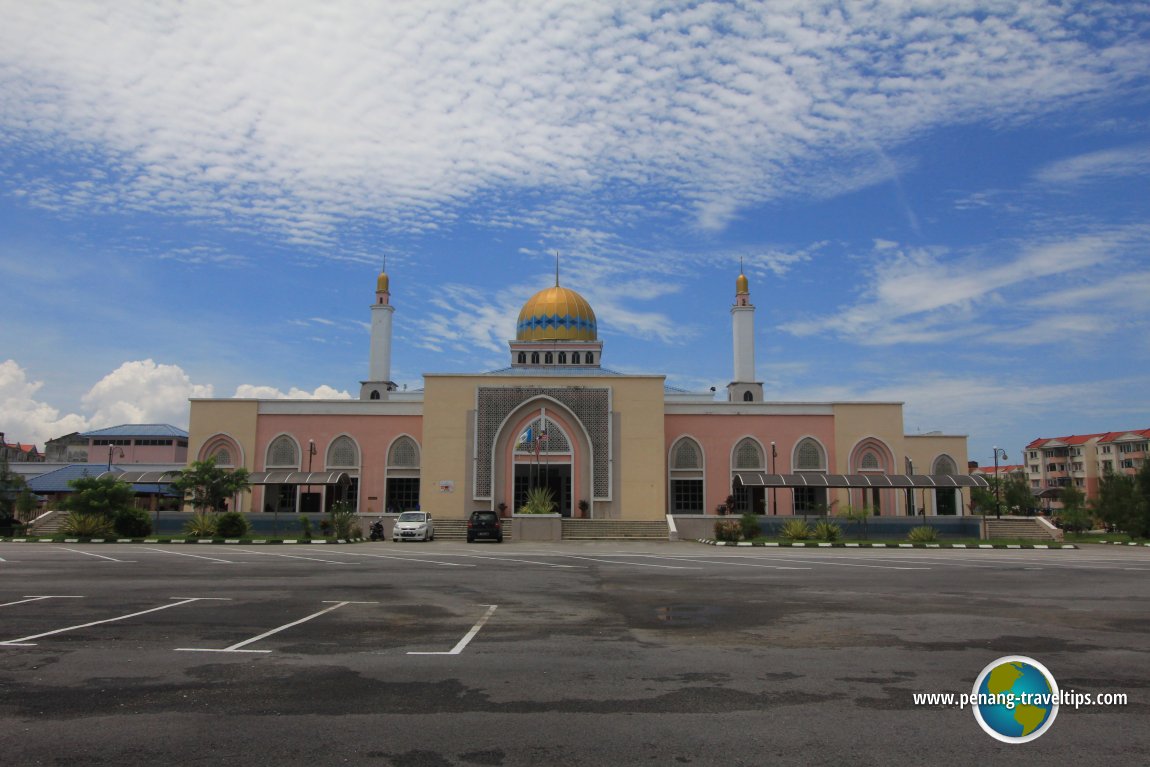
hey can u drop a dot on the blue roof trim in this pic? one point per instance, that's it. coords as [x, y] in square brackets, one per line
[138, 430]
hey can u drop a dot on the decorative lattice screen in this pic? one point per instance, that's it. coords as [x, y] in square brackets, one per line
[748, 455]
[591, 406]
[809, 455]
[404, 454]
[282, 452]
[343, 453]
[687, 455]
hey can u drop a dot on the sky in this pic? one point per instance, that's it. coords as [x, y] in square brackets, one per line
[939, 203]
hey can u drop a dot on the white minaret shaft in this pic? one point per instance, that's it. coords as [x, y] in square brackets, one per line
[381, 312]
[743, 332]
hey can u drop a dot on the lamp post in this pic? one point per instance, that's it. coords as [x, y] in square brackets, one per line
[910, 489]
[111, 448]
[310, 456]
[774, 455]
[998, 482]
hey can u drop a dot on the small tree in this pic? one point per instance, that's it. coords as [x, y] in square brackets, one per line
[11, 484]
[1124, 501]
[207, 487]
[859, 515]
[101, 496]
[1074, 516]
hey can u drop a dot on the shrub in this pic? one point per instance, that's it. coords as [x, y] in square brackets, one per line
[232, 524]
[749, 524]
[925, 534]
[827, 531]
[133, 523]
[87, 525]
[201, 525]
[796, 530]
[345, 521]
[728, 531]
[540, 500]
[305, 527]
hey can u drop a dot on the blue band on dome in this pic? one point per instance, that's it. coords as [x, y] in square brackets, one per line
[549, 321]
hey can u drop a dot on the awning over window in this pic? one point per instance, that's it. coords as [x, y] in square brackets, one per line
[815, 479]
[255, 478]
[299, 478]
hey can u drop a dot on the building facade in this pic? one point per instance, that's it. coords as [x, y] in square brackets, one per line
[1082, 460]
[608, 445]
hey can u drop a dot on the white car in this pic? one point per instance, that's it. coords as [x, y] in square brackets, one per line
[413, 526]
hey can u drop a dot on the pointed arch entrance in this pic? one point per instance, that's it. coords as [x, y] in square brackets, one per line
[542, 444]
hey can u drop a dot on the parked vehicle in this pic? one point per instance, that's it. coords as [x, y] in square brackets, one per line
[484, 524]
[377, 530]
[413, 526]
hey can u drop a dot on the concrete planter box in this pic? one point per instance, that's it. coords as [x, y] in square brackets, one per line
[537, 527]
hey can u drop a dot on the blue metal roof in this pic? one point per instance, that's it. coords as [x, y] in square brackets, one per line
[138, 430]
[57, 481]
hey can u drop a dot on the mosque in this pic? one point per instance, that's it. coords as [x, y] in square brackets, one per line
[609, 445]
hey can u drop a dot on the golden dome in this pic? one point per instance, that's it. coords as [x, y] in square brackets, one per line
[742, 287]
[381, 283]
[556, 314]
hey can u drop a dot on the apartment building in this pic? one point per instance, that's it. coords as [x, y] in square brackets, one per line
[1081, 460]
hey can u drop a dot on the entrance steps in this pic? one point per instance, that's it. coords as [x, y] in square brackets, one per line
[48, 523]
[456, 529]
[614, 529]
[1022, 528]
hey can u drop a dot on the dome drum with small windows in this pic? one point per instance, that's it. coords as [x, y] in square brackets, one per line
[556, 314]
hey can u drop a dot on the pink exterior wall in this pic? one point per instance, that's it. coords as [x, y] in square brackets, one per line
[134, 453]
[718, 434]
[373, 435]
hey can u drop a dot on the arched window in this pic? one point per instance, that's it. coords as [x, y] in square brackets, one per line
[223, 450]
[375, 393]
[574, 358]
[549, 358]
[404, 454]
[343, 453]
[402, 492]
[223, 457]
[686, 481]
[944, 464]
[748, 455]
[522, 358]
[590, 358]
[809, 456]
[687, 455]
[562, 358]
[870, 462]
[748, 397]
[282, 452]
[534, 358]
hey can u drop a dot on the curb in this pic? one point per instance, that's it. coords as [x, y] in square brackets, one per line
[1125, 543]
[824, 545]
[210, 541]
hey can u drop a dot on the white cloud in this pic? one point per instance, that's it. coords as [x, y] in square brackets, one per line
[136, 392]
[142, 392]
[293, 117]
[23, 418]
[927, 295]
[250, 391]
[1106, 163]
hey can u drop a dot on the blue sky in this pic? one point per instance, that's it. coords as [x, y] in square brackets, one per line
[939, 203]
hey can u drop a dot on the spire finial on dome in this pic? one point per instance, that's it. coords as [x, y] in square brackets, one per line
[556, 268]
[742, 286]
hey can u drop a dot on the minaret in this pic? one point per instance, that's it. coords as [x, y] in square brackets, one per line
[379, 381]
[743, 387]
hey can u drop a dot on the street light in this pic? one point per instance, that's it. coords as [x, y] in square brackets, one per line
[112, 447]
[774, 455]
[998, 451]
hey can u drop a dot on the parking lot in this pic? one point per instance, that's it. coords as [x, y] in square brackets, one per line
[589, 653]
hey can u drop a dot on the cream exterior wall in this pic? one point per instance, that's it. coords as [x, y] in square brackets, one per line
[923, 449]
[854, 422]
[237, 418]
[638, 467]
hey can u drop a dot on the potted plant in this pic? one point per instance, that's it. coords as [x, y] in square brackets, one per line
[584, 509]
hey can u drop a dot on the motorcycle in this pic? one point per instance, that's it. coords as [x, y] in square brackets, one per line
[377, 530]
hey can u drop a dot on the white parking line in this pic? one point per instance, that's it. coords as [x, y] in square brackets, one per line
[100, 556]
[236, 647]
[408, 559]
[23, 641]
[842, 564]
[466, 637]
[295, 556]
[36, 599]
[737, 564]
[186, 554]
[511, 559]
[635, 564]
